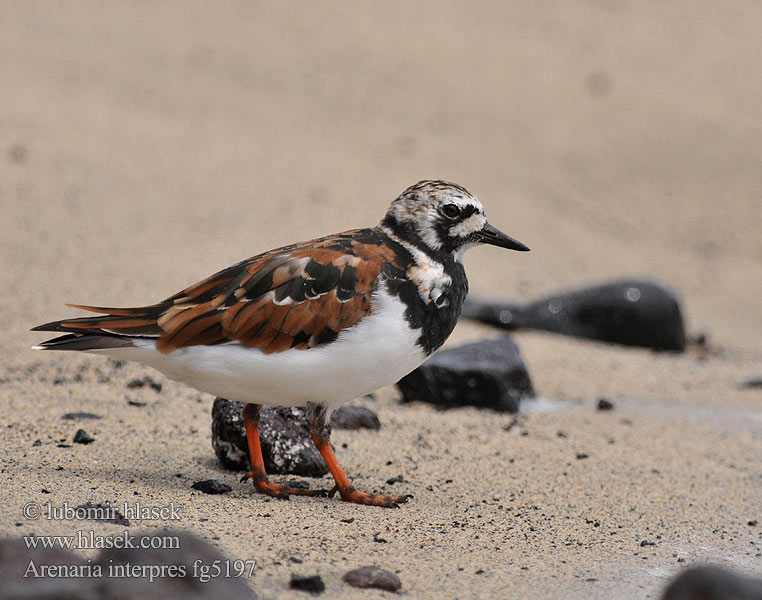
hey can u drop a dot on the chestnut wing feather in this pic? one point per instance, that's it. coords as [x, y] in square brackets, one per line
[299, 296]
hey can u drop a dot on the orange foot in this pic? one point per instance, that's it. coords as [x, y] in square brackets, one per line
[358, 497]
[276, 490]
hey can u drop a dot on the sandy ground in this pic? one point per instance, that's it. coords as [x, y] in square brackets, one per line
[143, 147]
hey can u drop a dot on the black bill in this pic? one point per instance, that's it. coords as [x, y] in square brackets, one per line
[495, 237]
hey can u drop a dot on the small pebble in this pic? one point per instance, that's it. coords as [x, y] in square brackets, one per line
[373, 577]
[81, 437]
[753, 382]
[146, 380]
[211, 486]
[355, 417]
[79, 415]
[313, 584]
[18, 153]
[605, 404]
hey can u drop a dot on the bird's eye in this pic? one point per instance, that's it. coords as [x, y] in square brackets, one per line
[451, 211]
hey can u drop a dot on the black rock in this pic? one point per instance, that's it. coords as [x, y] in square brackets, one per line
[146, 380]
[605, 404]
[211, 486]
[488, 374]
[629, 312]
[284, 436]
[355, 417]
[751, 383]
[81, 437]
[79, 415]
[313, 584]
[713, 583]
[373, 577]
[397, 479]
[121, 572]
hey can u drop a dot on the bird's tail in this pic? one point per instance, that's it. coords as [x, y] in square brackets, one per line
[116, 328]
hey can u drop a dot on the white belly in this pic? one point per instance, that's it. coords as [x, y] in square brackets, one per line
[377, 351]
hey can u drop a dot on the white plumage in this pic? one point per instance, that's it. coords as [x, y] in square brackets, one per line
[375, 352]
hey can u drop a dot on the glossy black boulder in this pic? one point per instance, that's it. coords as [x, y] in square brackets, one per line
[488, 374]
[630, 312]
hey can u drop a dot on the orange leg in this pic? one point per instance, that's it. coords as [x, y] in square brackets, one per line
[258, 475]
[320, 436]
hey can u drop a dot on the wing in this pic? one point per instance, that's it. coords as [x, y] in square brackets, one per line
[299, 296]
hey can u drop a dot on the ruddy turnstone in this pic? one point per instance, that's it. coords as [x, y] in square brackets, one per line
[314, 324]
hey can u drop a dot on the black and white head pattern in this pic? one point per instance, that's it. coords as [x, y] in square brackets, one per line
[445, 216]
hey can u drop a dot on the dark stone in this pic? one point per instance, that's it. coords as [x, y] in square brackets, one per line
[146, 380]
[605, 404]
[751, 383]
[81, 437]
[79, 415]
[136, 402]
[488, 374]
[629, 312]
[18, 153]
[397, 479]
[713, 583]
[355, 417]
[211, 486]
[284, 437]
[373, 577]
[313, 584]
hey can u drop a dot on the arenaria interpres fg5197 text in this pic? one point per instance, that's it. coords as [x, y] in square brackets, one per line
[311, 324]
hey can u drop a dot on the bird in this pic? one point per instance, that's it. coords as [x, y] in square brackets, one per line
[313, 324]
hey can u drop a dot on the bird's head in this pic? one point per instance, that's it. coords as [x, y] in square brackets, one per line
[446, 217]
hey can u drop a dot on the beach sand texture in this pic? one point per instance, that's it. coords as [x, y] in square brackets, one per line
[145, 146]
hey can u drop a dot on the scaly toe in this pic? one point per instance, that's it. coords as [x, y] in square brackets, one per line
[359, 497]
